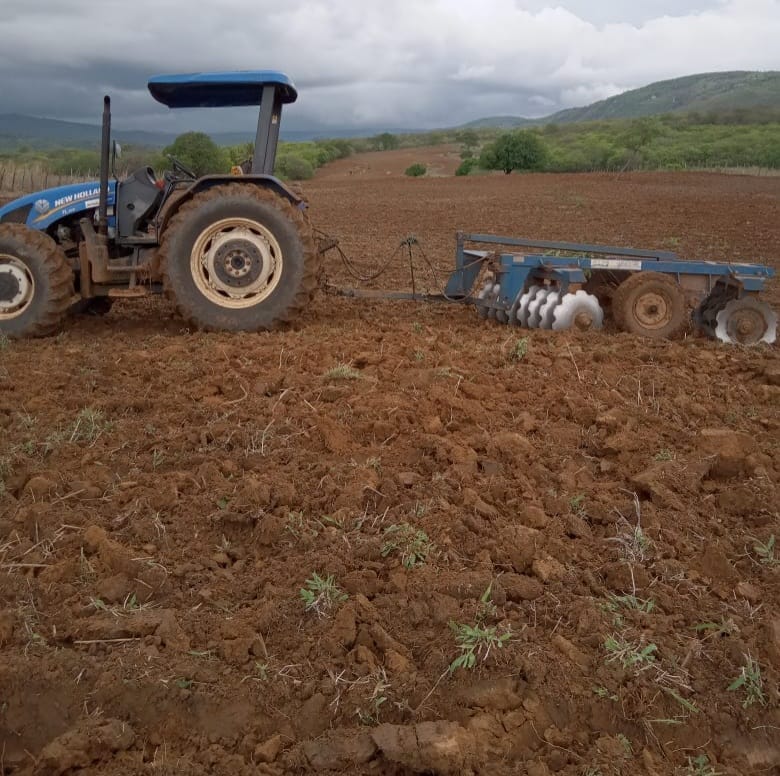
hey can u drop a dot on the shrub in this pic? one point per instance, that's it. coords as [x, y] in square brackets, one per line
[466, 166]
[294, 167]
[416, 170]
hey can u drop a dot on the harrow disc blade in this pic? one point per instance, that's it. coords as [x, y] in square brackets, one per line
[522, 307]
[548, 308]
[746, 321]
[535, 307]
[580, 310]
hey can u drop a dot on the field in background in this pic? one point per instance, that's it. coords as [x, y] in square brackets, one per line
[550, 553]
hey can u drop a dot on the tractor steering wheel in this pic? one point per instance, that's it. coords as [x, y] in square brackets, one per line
[179, 168]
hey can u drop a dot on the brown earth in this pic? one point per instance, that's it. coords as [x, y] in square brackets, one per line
[166, 495]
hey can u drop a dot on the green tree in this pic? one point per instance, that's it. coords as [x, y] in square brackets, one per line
[519, 150]
[199, 152]
[385, 142]
[469, 139]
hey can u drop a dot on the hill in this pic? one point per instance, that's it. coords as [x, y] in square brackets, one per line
[704, 92]
[44, 134]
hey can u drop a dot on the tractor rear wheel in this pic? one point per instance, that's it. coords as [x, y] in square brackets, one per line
[650, 304]
[36, 282]
[237, 257]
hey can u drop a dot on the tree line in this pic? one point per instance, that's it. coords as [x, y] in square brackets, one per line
[740, 138]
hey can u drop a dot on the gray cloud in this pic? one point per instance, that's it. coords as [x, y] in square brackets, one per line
[395, 63]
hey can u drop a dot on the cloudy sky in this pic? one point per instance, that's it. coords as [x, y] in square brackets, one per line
[370, 63]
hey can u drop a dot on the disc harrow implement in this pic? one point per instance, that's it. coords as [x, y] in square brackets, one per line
[650, 293]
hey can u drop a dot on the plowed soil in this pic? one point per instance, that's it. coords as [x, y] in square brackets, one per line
[598, 509]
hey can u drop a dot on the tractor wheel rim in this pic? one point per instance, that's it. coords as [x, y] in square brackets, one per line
[653, 310]
[17, 287]
[236, 263]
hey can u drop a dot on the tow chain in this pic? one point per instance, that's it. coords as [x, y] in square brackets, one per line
[410, 247]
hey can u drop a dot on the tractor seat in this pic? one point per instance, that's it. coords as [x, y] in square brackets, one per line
[138, 198]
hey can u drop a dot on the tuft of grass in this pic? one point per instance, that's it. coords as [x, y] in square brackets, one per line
[5, 341]
[603, 692]
[689, 706]
[379, 696]
[321, 595]
[630, 602]
[475, 644]
[750, 682]
[520, 350]
[89, 426]
[575, 503]
[633, 656]
[700, 766]
[343, 372]
[412, 544]
[626, 744]
[635, 545]
[486, 610]
[664, 454]
[766, 551]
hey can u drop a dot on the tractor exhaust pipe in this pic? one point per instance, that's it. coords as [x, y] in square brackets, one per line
[105, 152]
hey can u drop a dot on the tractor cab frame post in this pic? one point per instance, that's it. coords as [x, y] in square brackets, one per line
[266, 140]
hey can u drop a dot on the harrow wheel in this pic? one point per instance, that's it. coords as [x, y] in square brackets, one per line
[746, 321]
[650, 304]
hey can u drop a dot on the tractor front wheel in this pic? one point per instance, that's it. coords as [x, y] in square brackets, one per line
[36, 282]
[239, 258]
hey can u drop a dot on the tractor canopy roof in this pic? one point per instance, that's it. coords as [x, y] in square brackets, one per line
[219, 90]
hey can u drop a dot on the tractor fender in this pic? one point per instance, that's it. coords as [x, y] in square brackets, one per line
[172, 205]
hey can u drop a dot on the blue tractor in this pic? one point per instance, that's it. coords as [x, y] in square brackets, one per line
[234, 253]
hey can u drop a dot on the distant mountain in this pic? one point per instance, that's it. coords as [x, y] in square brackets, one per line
[703, 92]
[38, 133]
[16, 130]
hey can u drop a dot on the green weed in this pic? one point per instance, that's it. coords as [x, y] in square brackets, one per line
[766, 551]
[5, 341]
[486, 610]
[629, 655]
[603, 692]
[750, 682]
[475, 644]
[89, 425]
[412, 544]
[520, 350]
[700, 766]
[321, 594]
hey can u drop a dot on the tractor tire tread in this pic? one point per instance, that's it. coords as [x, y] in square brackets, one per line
[61, 278]
[312, 258]
[623, 293]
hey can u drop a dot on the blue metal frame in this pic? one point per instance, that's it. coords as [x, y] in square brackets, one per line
[514, 272]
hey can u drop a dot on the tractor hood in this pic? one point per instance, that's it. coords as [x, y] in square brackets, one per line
[220, 90]
[45, 208]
